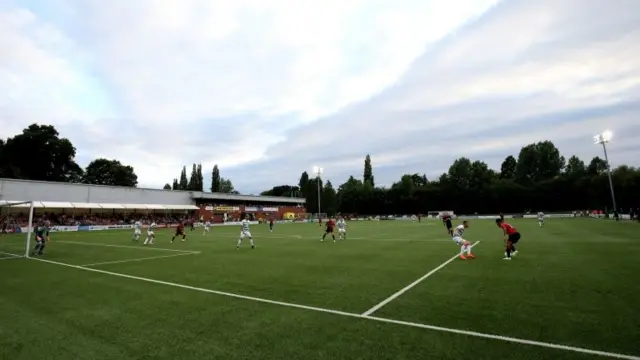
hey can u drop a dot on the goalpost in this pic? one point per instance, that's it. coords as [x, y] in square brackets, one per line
[16, 225]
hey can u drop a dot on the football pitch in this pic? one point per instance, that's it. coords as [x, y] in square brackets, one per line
[392, 290]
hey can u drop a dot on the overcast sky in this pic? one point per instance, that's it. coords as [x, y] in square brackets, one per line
[269, 88]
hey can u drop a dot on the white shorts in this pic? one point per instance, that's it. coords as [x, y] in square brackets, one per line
[137, 232]
[458, 240]
[342, 231]
[206, 228]
[244, 234]
[540, 220]
[150, 233]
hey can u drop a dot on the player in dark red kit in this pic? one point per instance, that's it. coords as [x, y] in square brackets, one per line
[446, 220]
[511, 237]
[180, 232]
[329, 226]
[271, 222]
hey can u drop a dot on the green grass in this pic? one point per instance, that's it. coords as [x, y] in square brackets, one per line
[573, 283]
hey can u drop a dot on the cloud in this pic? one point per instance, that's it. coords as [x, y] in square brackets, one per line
[267, 88]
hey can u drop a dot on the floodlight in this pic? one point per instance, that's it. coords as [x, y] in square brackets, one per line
[603, 139]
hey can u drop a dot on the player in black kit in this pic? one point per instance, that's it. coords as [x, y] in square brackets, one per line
[42, 234]
[446, 220]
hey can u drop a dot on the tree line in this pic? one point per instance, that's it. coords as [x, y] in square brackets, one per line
[195, 182]
[539, 179]
[40, 153]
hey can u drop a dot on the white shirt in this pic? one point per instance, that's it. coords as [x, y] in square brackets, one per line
[459, 231]
[245, 225]
[137, 225]
[207, 224]
[152, 226]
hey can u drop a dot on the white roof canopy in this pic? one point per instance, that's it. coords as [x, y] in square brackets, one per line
[86, 205]
[75, 205]
[181, 207]
[110, 206]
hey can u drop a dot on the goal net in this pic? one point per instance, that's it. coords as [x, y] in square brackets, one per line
[316, 216]
[16, 226]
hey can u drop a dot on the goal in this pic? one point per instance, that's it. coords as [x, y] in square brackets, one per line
[316, 216]
[16, 227]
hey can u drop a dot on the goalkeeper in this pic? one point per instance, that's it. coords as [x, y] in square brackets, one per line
[42, 235]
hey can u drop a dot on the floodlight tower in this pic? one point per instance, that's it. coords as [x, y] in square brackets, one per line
[318, 171]
[603, 139]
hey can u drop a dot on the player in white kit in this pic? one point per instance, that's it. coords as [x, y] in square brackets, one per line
[207, 225]
[541, 219]
[151, 234]
[342, 229]
[465, 246]
[137, 231]
[245, 232]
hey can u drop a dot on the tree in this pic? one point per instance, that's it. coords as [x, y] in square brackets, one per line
[508, 168]
[282, 190]
[2, 160]
[472, 187]
[226, 186]
[460, 173]
[575, 167]
[349, 196]
[109, 172]
[329, 199]
[368, 171]
[215, 179]
[481, 175]
[166, 187]
[312, 195]
[597, 166]
[192, 185]
[200, 179]
[419, 180]
[175, 185]
[184, 183]
[539, 162]
[303, 184]
[50, 158]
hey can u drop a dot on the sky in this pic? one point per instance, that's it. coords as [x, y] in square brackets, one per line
[269, 88]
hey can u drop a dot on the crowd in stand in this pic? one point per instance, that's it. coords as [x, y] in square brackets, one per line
[21, 220]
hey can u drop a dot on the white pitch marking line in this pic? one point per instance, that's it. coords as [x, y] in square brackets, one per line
[141, 247]
[9, 254]
[408, 287]
[141, 259]
[373, 239]
[359, 316]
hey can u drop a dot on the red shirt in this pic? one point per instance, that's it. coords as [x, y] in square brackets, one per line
[508, 229]
[330, 224]
[180, 226]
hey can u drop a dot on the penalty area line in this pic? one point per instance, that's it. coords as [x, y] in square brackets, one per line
[140, 247]
[413, 284]
[358, 316]
[141, 259]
